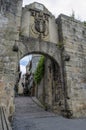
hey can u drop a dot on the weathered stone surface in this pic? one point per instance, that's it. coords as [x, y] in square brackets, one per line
[31, 15]
[10, 14]
[45, 38]
[50, 91]
[74, 69]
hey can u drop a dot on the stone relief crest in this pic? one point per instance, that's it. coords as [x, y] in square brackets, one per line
[40, 25]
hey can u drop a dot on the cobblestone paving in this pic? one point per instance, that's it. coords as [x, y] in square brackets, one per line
[29, 116]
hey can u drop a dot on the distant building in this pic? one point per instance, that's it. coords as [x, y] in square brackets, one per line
[29, 67]
[27, 84]
[35, 60]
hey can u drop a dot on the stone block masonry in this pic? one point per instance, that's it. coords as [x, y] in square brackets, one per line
[74, 41]
[10, 14]
[62, 39]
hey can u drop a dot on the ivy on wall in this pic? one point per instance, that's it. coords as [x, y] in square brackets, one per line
[38, 75]
[85, 23]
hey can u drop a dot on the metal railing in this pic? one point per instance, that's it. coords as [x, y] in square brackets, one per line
[4, 123]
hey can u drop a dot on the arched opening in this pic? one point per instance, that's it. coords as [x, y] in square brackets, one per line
[47, 89]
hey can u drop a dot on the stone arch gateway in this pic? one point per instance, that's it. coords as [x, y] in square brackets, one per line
[33, 29]
[31, 45]
[50, 51]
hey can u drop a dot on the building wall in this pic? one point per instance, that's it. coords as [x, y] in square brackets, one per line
[50, 91]
[29, 67]
[10, 13]
[35, 60]
[72, 34]
[30, 13]
[67, 33]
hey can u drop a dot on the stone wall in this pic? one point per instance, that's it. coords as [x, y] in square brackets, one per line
[41, 34]
[50, 91]
[72, 34]
[10, 14]
[32, 26]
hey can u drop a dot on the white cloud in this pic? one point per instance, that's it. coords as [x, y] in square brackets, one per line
[23, 69]
[60, 6]
[23, 62]
[26, 58]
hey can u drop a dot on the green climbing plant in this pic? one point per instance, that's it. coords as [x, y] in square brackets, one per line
[84, 23]
[38, 75]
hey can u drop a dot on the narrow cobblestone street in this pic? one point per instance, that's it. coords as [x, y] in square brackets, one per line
[29, 116]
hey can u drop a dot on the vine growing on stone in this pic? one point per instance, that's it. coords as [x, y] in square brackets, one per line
[39, 73]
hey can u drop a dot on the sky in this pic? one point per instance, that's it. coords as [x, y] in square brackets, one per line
[57, 7]
[23, 62]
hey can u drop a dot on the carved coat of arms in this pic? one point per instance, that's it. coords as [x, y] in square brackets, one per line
[40, 25]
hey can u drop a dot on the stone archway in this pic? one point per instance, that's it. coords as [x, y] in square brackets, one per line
[29, 43]
[41, 33]
[30, 46]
